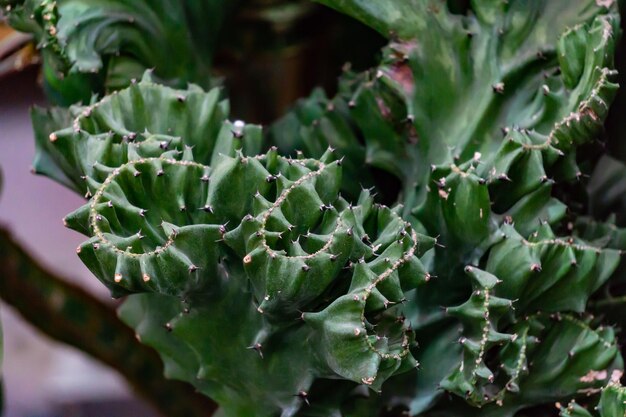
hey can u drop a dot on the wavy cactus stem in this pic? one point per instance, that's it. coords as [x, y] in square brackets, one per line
[293, 259]
[308, 285]
[277, 286]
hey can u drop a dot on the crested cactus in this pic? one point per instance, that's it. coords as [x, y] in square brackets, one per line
[478, 117]
[268, 278]
[312, 285]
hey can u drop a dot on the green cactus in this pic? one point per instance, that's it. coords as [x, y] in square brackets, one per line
[478, 116]
[312, 284]
[272, 294]
[100, 46]
[612, 402]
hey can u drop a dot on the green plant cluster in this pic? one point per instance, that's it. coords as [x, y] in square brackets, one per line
[264, 274]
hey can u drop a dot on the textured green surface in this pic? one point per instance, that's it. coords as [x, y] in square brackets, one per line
[308, 286]
[270, 293]
[478, 117]
[140, 121]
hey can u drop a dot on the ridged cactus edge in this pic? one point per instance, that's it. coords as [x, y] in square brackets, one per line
[309, 285]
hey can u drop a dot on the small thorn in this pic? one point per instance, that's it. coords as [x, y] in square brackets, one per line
[258, 348]
[304, 396]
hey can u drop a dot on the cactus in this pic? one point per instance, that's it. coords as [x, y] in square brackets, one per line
[311, 285]
[478, 117]
[612, 402]
[99, 47]
[269, 281]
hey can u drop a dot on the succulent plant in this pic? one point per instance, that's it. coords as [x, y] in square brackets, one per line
[612, 402]
[270, 280]
[99, 47]
[477, 117]
[309, 284]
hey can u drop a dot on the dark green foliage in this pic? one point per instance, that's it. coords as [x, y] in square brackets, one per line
[101, 46]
